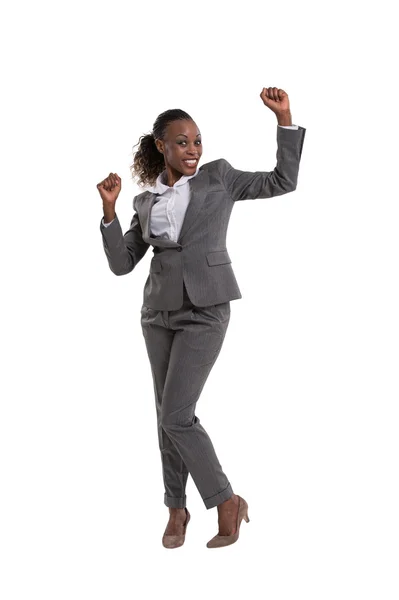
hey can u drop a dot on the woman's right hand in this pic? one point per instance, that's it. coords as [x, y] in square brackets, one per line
[109, 188]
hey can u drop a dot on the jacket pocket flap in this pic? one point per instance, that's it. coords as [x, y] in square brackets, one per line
[220, 257]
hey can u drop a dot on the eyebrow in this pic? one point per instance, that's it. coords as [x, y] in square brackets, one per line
[186, 135]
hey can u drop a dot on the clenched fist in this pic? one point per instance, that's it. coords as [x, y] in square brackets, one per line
[275, 99]
[109, 188]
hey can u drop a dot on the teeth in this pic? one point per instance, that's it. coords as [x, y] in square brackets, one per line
[190, 162]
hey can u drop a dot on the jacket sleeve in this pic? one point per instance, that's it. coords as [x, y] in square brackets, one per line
[244, 185]
[123, 251]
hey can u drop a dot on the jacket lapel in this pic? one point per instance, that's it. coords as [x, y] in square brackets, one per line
[198, 191]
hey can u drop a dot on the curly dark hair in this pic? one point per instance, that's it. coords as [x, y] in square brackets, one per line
[148, 162]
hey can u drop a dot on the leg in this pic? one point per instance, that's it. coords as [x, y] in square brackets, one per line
[159, 339]
[196, 345]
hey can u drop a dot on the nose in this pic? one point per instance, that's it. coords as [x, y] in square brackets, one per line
[195, 153]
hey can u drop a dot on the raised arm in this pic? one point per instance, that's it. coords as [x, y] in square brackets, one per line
[249, 185]
[246, 185]
[123, 251]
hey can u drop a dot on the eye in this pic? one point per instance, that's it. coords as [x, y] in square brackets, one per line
[184, 142]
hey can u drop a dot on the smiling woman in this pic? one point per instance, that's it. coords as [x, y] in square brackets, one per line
[175, 146]
[186, 297]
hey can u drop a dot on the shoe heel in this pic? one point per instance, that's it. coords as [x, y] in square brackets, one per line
[246, 518]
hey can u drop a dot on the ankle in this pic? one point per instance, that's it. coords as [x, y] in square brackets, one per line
[233, 498]
[230, 501]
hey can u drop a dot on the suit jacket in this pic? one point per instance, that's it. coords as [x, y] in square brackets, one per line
[200, 256]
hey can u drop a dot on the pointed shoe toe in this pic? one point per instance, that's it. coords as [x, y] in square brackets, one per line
[218, 541]
[172, 541]
[175, 541]
[222, 540]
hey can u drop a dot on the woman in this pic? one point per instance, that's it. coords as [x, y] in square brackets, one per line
[184, 214]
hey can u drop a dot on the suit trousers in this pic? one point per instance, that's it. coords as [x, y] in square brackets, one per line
[182, 346]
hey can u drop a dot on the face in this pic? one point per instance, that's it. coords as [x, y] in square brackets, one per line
[182, 141]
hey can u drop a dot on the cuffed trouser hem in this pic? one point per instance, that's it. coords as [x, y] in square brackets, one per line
[219, 498]
[174, 502]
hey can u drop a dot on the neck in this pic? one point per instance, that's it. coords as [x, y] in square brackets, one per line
[171, 176]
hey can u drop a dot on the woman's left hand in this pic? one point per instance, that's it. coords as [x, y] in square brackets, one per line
[275, 99]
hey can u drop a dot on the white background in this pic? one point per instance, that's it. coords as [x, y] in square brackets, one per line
[302, 403]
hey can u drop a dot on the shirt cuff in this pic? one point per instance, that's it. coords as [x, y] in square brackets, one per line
[107, 224]
[289, 126]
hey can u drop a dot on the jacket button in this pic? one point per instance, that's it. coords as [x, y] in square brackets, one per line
[179, 249]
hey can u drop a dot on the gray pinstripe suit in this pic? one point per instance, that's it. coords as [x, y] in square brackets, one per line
[186, 305]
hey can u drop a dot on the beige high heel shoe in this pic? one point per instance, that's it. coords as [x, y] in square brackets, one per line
[225, 540]
[174, 541]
